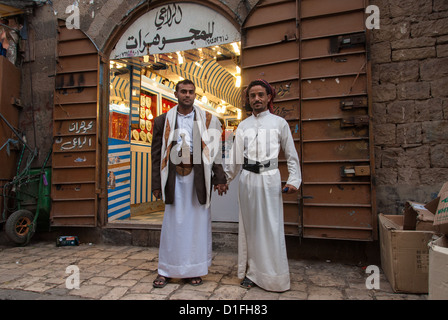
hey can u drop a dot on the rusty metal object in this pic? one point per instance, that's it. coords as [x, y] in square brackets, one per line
[315, 54]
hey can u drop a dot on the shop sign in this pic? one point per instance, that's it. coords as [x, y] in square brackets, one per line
[76, 135]
[175, 27]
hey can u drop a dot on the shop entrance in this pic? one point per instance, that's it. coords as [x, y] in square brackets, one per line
[148, 60]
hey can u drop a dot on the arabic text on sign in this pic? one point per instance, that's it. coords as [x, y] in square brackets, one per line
[77, 143]
[167, 15]
[195, 34]
[80, 127]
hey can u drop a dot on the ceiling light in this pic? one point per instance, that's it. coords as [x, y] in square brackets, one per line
[179, 57]
[238, 81]
[236, 48]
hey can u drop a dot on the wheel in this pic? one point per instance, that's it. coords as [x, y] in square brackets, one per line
[19, 226]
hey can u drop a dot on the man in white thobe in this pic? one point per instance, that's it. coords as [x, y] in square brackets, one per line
[262, 258]
[183, 172]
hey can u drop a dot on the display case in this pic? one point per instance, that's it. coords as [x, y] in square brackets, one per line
[119, 123]
[167, 104]
[147, 113]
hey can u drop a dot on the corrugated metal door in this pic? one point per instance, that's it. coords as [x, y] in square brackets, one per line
[75, 166]
[315, 54]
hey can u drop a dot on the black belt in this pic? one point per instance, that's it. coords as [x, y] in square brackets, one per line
[258, 167]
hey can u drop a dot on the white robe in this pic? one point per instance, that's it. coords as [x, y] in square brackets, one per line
[261, 241]
[186, 239]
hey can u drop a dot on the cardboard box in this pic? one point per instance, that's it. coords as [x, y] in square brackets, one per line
[438, 269]
[419, 216]
[404, 255]
[441, 214]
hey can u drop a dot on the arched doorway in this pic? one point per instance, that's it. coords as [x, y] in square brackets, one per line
[164, 45]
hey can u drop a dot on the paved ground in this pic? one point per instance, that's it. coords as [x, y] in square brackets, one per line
[39, 271]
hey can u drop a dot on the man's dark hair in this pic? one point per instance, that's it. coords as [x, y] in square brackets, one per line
[258, 82]
[183, 82]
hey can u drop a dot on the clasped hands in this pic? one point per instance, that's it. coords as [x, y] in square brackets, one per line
[222, 188]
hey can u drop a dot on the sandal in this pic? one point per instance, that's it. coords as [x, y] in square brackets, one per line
[247, 283]
[160, 281]
[197, 281]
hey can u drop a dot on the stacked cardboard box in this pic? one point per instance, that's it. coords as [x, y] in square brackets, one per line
[414, 247]
[404, 255]
[438, 269]
[441, 214]
[438, 250]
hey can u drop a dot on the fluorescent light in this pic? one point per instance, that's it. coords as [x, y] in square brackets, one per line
[236, 48]
[238, 81]
[179, 57]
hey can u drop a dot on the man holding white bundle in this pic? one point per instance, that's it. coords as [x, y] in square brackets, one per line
[262, 258]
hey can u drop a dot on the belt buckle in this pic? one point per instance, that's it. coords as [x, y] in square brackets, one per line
[263, 166]
[183, 171]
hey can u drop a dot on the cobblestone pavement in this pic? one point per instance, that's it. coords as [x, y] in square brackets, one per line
[106, 272]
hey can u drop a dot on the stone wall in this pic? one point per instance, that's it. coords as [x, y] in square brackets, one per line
[36, 118]
[410, 101]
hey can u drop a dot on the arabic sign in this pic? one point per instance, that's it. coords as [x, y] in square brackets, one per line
[76, 135]
[83, 143]
[175, 27]
[75, 127]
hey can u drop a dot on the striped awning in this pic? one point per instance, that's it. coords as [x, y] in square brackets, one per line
[211, 77]
[120, 88]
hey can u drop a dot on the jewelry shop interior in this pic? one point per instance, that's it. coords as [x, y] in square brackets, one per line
[166, 45]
